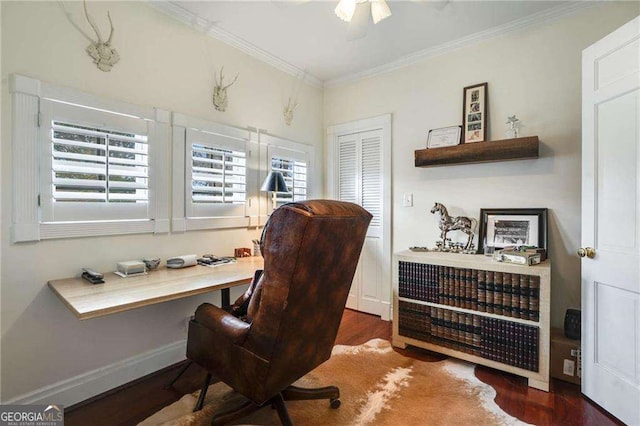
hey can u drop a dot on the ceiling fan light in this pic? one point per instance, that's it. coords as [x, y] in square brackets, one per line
[345, 9]
[379, 10]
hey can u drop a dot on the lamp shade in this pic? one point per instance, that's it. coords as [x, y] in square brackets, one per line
[274, 182]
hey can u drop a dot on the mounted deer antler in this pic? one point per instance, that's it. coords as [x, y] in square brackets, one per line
[103, 55]
[288, 111]
[220, 99]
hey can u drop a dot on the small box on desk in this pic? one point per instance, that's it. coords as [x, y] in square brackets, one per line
[566, 357]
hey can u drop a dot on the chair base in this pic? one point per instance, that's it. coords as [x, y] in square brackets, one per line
[184, 368]
[291, 393]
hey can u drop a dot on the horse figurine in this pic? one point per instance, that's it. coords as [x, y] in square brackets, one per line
[459, 223]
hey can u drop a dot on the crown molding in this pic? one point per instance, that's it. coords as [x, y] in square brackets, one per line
[191, 19]
[176, 11]
[545, 16]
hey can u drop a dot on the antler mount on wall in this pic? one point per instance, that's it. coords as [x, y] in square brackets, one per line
[103, 55]
[220, 98]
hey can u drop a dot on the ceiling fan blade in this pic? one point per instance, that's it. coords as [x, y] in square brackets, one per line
[360, 22]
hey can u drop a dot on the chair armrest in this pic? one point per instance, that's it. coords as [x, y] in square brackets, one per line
[222, 322]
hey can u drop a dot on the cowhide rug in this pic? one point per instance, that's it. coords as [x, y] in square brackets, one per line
[378, 386]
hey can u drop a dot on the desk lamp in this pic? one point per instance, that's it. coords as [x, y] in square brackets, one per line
[274, 182]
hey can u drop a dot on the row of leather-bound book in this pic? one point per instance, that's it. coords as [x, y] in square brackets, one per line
[503, 341]
[501, 293]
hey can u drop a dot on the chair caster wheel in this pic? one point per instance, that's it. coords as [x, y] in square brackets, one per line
[334, 403]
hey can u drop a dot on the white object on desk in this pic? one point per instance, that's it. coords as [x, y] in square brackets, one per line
[131, 267]
[182, 261]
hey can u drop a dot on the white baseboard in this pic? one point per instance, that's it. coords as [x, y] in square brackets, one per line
[84, 386]
[386, 311]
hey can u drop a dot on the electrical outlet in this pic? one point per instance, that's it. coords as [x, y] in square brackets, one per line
[568, 367]
[407, 199]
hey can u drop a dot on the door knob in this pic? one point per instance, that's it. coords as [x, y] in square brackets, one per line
[590, 252]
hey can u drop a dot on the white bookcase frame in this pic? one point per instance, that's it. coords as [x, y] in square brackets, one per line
[539, 379]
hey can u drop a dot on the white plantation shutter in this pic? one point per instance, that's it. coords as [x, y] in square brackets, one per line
[295, 161]
[216, 171]
[347, 166]
[295, 176]
[98, 165]
[95, 164]
[371, 182]
[218, 175]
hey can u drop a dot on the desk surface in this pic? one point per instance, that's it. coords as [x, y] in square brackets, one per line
[119, 294]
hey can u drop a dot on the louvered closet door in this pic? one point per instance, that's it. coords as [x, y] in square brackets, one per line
[360, 181]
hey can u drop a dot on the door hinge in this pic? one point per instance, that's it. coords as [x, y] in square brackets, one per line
[38, 200]
[38, 119]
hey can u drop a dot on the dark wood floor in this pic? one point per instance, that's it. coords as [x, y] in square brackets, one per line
[132, 403]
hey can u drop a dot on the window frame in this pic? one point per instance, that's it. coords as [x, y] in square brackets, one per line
[186, 216]
[53, 212]
[275, 146]
[218, 142]
[28, 95]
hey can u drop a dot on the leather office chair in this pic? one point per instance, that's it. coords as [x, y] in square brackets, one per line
[287, 322]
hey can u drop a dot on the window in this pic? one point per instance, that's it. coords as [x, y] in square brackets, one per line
[295, 176]
[218, 175]
[87, 166]
[213, 175]
[216, 170]
[92, 165]
[295, 161]
[96, 165]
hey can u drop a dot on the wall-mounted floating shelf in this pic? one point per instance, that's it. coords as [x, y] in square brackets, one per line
[479, 152]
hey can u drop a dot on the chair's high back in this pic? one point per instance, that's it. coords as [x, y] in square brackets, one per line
[311, 250]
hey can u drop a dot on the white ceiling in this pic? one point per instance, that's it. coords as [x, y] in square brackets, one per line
[307, 36]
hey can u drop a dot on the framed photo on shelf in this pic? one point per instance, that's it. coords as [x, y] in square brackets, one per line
[474, 113]
[501, 228]
[445, 136]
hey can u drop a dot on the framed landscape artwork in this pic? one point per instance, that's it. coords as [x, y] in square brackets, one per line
[501, 228]
[474, 113]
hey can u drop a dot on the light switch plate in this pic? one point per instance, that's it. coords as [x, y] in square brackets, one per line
[407, 199]
[569, 367]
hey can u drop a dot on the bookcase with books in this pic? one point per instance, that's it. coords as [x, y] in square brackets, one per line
[474, 308]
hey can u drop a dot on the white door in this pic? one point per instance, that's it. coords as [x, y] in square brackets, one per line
[611, 222]
[362, 177]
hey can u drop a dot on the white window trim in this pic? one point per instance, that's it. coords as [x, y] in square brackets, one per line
[271, 145]
[180, 221]
[27, 226]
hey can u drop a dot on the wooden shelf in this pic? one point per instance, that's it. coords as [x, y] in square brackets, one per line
[479, 152]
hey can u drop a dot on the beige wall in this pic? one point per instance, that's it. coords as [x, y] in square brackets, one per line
[534, 73]
[163, 64]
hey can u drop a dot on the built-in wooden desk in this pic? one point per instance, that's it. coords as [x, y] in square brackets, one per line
[119, 294]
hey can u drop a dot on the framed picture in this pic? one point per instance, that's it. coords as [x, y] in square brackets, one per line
[445, 136]
[512, 227]
[474, 113]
